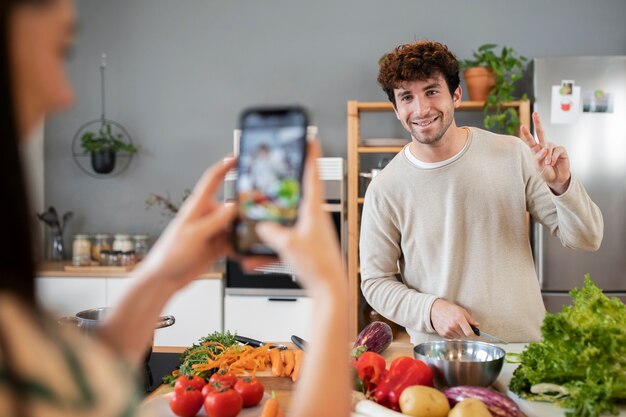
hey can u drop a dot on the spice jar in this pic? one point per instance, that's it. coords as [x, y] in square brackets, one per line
[141, 246]
[104, 256]
[114, 258]
[101, 242]
[81, 250]
[122, 243]
[127, 258]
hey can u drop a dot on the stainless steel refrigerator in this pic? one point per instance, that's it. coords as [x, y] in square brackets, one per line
[595, 138]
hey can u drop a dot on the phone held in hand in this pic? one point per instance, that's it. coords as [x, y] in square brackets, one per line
[272, 152]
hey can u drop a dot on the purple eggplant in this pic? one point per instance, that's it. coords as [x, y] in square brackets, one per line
[375, 337]
[499, 405]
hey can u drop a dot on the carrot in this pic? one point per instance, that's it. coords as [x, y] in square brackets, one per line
[289, 362]
[271, 408]
[299, 358]
[277, 362]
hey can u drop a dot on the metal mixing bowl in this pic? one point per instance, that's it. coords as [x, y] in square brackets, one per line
[461, 362]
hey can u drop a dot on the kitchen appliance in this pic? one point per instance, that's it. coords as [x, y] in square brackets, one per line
[594, 135]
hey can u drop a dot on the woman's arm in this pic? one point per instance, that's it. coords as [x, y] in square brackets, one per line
[189, 245]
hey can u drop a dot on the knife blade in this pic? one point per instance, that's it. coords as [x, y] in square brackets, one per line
[299, 342]
[479, 332]
[257, 343]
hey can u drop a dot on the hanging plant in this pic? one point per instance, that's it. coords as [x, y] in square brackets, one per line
[103, 146]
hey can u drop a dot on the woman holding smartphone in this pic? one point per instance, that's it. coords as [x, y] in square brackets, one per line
[48, 371]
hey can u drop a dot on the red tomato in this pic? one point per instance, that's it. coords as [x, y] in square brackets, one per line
[187, 402]
[223, 403]
[193, 381]
[227, 379]
[251, 390]
[211, 387]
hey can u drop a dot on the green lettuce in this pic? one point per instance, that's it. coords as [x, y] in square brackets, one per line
[583, 353]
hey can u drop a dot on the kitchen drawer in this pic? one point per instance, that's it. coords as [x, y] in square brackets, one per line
[268, 318]
[67, 296]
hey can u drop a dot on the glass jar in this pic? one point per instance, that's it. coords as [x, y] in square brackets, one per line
[122, 243]
[81, 250]
[101, 242]
[104, 256]
[127, 258]
[114, 258]
[141, 246]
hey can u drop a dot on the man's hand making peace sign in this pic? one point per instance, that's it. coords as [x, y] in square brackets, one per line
[551, 161]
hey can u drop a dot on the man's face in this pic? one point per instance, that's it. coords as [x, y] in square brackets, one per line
[426, 109]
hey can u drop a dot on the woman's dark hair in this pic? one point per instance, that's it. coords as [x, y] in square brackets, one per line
[16, 247]
[417, 61]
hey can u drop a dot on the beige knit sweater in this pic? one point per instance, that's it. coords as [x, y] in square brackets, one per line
[459, 232]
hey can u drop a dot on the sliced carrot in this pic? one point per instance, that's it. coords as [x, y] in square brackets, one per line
[289, 362]
[277, 362]
[299, 358]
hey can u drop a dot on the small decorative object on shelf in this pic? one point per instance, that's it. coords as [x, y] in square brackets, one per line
[103, 144]
[55, 248]
[491, 78]
[122, 243]
[141, 246]
[101, 243]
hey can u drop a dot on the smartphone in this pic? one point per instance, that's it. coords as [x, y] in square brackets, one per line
[272, 151]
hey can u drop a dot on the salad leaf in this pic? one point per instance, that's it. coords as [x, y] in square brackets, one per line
[583, 351]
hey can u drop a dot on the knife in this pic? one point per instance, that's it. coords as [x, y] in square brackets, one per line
[299, 342]
[258, 343]
[479, 332]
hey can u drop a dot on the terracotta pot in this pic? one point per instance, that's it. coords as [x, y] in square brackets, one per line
[479, 81]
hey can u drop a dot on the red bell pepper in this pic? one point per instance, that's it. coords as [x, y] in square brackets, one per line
[403, 372]
[371, 369]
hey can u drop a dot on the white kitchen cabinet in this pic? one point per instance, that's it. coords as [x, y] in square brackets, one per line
[268, 318]
[66, 296]
[197, 309]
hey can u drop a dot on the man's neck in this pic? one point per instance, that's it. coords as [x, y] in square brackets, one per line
[451, 144]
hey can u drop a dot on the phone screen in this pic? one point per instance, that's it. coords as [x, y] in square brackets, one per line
[270, 167]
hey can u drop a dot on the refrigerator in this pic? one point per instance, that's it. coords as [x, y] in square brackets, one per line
[582, 104]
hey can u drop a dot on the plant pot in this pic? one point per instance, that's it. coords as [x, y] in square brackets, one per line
[479, 81]
[103, 162]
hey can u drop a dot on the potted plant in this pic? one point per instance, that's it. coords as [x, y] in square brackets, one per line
[103, 147]
[498, 75]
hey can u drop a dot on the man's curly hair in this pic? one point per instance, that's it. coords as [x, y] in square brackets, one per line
[417, 61]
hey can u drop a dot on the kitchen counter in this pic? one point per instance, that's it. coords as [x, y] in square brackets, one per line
[57, 269]
[284, 387]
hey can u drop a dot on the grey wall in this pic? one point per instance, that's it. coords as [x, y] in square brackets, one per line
[179, 72]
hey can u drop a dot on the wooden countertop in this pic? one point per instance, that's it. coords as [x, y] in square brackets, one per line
[57, 270]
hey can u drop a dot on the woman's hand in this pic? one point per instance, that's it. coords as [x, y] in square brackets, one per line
[311, 246]
[551, 161]
[198, 235]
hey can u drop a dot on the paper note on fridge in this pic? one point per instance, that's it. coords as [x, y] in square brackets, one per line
[565, 108]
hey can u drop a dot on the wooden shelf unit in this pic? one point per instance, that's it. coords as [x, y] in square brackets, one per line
[354, 151]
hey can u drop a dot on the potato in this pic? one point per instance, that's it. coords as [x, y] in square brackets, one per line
[421, 401]
[470, 407]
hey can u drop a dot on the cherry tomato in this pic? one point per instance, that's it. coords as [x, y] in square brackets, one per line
[186, 402]
[227, 379]
[193, 381]
[251, 390]
[225, 402]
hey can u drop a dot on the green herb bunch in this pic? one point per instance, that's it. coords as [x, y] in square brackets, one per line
[104, 140]
[198, 354]
[583, 353]
[507, 67]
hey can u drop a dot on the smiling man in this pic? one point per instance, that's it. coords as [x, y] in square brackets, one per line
[449, 211]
